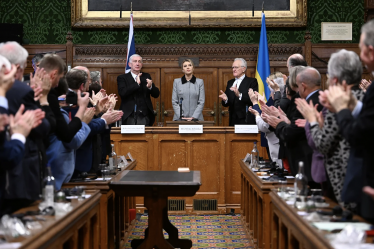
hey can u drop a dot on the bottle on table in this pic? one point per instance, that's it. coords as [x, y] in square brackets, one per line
[254, 157]
[49, 187]
[112, 158]
[301, 187]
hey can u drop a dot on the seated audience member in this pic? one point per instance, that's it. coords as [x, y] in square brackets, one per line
[343, 66]
[307, 80]
[61, 155]
[24, 179]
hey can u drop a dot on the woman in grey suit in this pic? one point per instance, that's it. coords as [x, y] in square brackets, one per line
[191, 89]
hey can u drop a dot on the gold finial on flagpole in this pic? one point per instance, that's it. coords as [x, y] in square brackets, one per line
[131, 7]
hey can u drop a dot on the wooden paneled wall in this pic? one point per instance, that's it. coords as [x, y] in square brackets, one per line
[214, 67]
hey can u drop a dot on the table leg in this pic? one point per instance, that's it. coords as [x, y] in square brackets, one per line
[173, 233]
[117, 226]
[155, 237]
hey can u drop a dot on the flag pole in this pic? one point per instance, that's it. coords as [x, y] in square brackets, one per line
[263, 6]
[131, 8]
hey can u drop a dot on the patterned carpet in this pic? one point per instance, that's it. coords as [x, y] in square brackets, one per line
[205, 231]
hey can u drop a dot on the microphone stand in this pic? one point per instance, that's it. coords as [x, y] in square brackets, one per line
[135, 115]
[180, 109]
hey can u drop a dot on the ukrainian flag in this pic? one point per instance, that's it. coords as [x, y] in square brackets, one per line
[263, 65]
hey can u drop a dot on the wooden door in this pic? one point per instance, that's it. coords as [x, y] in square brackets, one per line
[225, 74]
[209, 75]
[110, 84]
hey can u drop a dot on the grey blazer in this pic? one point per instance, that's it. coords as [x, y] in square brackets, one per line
[193, 95]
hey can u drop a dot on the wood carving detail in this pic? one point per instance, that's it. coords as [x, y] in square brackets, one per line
[223, 50]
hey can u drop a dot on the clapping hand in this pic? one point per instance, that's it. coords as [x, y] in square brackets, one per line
[4, 121]
[273, 121]
[41, 83]
[364, 85]
[338, 98]
[235, 90]
[271, 111]
[149, 83]
[88, 115]
[260, 97]
[96, 97]
[112, 100]
[253, 96]
[138, 78]
[307, 110]
[324, 101]
[253, 111]
[223, 95]
[272, 85]
[6, 78]
[300, 123]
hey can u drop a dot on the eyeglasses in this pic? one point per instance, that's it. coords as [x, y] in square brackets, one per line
[236, 67]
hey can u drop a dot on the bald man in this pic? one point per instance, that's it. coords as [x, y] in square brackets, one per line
[308, 80]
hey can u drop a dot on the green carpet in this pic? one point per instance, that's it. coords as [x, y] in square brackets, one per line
[205, 231]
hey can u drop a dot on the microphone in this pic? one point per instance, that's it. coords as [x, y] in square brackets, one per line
[246, 114]
[135, 114]
[180, 108]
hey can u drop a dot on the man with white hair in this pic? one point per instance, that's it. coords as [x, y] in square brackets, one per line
[24, 181]
[236, 95]
[135, 89]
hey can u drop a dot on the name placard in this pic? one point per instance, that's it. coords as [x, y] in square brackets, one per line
[246, 129]
[132, 129]
[124, 160]
[246, 158]
[129, 155]
[190, 128]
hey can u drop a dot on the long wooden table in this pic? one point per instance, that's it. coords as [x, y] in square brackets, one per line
[256, 203]
[78, 228]
[215, 153]
[107, 207]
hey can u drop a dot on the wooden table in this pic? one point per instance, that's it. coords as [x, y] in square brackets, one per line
[290, 230]
[107, 207]
[156, 187]
[255, 206]
[78, 228]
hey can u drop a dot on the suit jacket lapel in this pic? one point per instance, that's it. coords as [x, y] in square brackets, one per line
[243, 85]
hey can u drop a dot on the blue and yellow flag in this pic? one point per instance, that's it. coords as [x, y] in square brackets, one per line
[263, 65]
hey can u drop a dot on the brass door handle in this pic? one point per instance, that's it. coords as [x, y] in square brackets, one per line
[155, 112]
[223, 113]
[165, 113]
[212, 113]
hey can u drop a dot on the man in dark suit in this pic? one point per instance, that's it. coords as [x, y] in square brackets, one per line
[356, 119]
[293, 137]
[236, 95]
[24, 179]
[135, 89]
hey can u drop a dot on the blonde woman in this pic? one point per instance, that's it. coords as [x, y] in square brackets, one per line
[191, 89]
